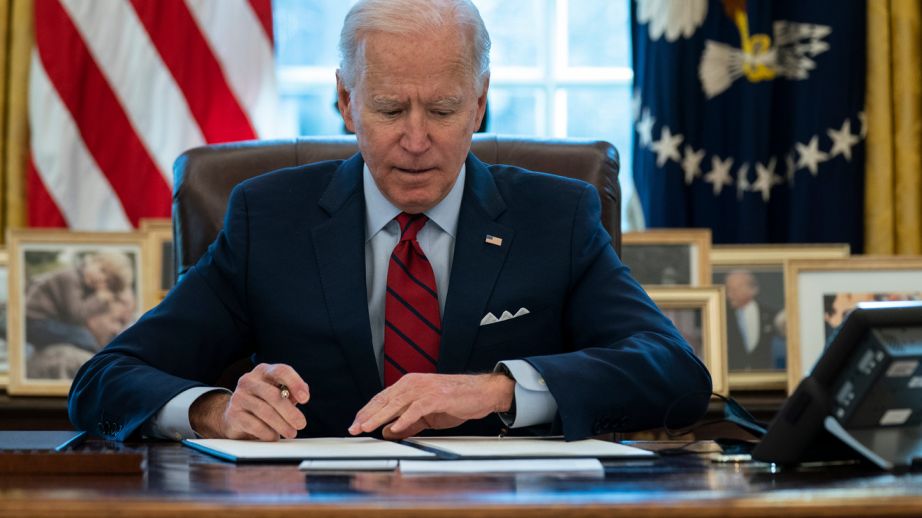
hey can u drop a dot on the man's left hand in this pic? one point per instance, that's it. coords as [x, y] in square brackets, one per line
[421, 401]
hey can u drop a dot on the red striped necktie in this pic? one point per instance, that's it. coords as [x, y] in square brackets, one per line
[412, 326]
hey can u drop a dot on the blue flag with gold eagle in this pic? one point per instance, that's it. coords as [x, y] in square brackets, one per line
[749, 118]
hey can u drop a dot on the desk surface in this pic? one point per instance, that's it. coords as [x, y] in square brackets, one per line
[178, 481]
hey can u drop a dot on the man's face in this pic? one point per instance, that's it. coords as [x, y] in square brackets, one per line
[741, 288]
[414, 109]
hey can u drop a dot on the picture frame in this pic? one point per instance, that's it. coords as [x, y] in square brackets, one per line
[668, 257]
[70, 294]
[705, 330]
[159, 270]
[812, 288]
[4, 308]
[760, 364]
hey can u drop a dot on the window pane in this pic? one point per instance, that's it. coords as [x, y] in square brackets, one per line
[584, 106]
[515, 30]
[599, 33]
[307, 33]
[514, 111]
[314, 111]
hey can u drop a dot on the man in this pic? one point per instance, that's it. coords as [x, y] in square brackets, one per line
[495, 289]
[750, 325]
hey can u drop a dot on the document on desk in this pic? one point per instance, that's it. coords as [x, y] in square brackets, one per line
[296, 450]
[526, 448]
[584, 467]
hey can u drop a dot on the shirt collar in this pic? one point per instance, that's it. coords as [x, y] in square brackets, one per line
[379, 211]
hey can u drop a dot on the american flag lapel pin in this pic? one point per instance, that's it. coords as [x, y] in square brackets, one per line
[493, 240]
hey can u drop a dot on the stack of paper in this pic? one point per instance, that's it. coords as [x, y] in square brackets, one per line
[525, 448]
[427, 454]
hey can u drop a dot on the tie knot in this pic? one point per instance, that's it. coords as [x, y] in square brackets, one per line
[410, 225]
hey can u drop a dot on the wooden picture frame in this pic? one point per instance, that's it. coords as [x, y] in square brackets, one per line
[762, 367]
[70, 294]
[820, 292]
[708, 302]
[159, 269]
[4, 304]
[668, 257]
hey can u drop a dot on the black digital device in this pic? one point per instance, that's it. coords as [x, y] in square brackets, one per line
[863, 398]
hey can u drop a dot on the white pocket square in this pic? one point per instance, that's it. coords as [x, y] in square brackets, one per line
[490, 318]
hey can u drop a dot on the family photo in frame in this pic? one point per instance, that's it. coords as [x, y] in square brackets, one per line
[670, 257]
[820, 294]
[753, 276]
[160, 270]
[70, 294]
[698, 313]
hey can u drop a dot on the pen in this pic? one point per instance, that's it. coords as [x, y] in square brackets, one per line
[283, 390]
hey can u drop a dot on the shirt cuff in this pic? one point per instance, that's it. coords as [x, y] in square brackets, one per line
[172, 420]
[534, 403]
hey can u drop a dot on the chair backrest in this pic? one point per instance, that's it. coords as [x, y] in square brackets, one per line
[204, 176]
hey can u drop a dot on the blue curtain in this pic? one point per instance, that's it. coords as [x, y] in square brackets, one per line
[749, 118]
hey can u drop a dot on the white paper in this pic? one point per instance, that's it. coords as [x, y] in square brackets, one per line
[320, 448]
[348, 465]
[583, 466]
[528, 447]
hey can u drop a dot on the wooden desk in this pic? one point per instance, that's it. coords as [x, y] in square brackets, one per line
[181, 482]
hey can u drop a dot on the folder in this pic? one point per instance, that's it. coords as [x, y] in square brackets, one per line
[416, 448]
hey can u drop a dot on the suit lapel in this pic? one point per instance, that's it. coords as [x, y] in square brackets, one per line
[339, 244]
[475, 266]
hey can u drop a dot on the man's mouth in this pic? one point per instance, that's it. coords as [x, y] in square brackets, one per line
[412, 170]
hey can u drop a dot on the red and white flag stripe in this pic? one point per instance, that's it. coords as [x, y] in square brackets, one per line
[119, 88]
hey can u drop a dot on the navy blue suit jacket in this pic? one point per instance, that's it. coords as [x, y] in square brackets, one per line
[285, 282]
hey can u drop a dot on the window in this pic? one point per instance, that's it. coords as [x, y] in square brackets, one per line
[556, 65]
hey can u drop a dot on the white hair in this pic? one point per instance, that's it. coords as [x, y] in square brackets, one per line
[412, 17]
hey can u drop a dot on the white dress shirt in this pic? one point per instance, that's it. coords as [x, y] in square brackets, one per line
[534, 404]
[748, 319]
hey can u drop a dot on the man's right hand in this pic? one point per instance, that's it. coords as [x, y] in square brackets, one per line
[256, 409]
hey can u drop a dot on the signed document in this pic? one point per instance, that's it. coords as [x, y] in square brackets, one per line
[584, 467]
[415, 448]
[296, 450]
[526, 448]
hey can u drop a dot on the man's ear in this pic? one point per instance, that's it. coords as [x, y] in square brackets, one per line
[482, 102]
[344, 102]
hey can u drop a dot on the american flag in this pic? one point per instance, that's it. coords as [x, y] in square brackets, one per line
[119, 88]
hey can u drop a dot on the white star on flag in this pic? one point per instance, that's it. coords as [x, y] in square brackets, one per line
[645, 128]
[765, 179]
[691, 164]
[667, 147]
[810, 155]
[842, 141]
[742, 181]
[719, 175]
[863, 119]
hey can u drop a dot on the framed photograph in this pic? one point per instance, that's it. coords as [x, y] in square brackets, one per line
[820, 294]
[674, 257]
[159, 269]
[753, 276]
[4, 297]
[699, 314]
[70, 293]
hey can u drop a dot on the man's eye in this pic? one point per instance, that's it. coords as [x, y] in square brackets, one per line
[390, 113]
[441, 113]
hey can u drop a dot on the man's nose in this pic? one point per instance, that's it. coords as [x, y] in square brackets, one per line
[416, 139]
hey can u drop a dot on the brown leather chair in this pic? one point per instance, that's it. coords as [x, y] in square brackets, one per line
[204, 176]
